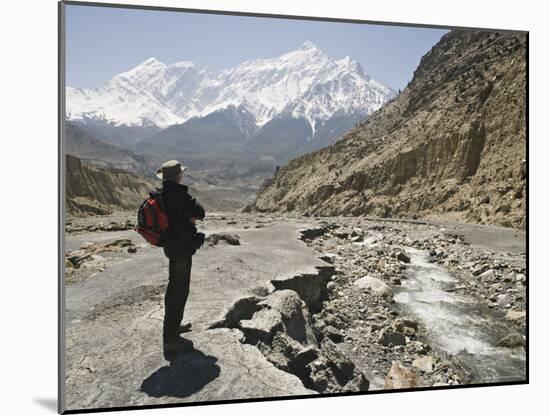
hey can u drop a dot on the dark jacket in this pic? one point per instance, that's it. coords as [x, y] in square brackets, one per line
[180, 208]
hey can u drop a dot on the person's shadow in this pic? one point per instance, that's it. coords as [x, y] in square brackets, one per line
[187, 373]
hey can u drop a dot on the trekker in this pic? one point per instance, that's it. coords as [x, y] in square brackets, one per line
[183, 241]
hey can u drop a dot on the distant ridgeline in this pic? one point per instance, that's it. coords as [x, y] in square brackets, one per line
[93, 189]
[452, 145]
[268, 110]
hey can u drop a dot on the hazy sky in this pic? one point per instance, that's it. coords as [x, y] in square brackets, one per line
[102, 42]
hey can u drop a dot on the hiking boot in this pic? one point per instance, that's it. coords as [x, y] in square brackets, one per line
[179, 345]
[184, 328]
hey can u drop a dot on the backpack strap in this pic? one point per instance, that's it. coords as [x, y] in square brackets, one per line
[160, 194]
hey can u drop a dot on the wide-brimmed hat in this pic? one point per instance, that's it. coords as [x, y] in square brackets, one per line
[170, 170]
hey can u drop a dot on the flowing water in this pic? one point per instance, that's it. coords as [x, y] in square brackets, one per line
[459, 326]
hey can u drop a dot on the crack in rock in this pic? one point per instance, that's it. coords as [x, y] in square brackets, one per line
[279, 324]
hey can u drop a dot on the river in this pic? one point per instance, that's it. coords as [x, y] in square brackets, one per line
[459, 326]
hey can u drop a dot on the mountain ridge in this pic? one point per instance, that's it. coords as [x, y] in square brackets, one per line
[451, 145]
[304, 82]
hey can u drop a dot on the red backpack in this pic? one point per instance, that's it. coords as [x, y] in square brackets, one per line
[152, 222]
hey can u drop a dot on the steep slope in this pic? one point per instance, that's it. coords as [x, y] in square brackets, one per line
[451, 145]
[81, 142]
[100, 190]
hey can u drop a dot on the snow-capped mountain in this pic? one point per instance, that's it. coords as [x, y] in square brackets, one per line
[304, 83]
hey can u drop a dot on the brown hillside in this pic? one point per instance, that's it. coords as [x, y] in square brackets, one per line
[452, 145]
[100, 190]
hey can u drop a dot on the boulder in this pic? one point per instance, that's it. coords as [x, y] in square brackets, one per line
[295, 317]
[400, 377]
[262, 326]
[378, 287]
[343, 367]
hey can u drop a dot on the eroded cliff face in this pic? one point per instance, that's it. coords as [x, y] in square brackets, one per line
[100, 190]
[451, 146]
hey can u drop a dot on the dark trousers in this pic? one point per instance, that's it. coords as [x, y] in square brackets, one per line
[176, 295]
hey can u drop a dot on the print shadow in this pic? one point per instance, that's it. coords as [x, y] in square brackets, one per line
[187, 373]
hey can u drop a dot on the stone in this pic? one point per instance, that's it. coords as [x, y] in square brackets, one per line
[282, 351]
[480, 269]
[132, 249]
[400, 377]
[507, 277]
[89, 245]
[358, 384]
[319, 326]
[512, 340]
[76, 258]
[305, 356]
[515, 315]
[425, 364]
[488, 275]
[312, 288]
[296, 319]
[329, 258]
[334, 334]
[409, 331]
[341, 234]
[119, 243]
[403, 257]
[262, 326]
[320, 375]
[503, 298]
[229, 238]
[390, 338]
[402, 324]
[345, 367]
[521, 278]
[378, 287]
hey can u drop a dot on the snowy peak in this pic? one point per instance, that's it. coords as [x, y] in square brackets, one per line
[308, 45]
[304, 82]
